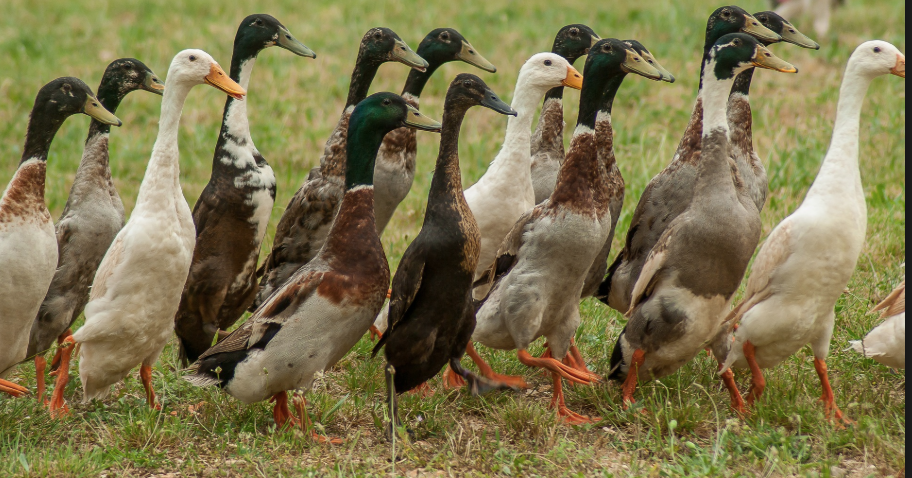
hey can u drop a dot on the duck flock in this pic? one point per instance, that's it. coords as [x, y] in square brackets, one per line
[502, 263]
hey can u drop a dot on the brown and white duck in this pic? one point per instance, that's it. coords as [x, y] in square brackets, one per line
[307, 219]
[28, 244]
[233, 210]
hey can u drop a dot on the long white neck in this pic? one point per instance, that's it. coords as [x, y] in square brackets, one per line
[839, 173]
[515, 155]
[236, 116]
[162, 174]
[715, 102]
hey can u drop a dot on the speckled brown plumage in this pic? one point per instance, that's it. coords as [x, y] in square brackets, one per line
[24, 196]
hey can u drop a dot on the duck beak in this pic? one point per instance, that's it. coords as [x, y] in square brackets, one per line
[756, 29]
[573, 79]
[414, 119]
[403, 54]
[763, 58]
[152, 84]
[900, 68]
[290, 43]
[634, 63]
[492, 101]
[595, 39]
[94, 109]
[791, 35]
[666, 75]
[469, 55]
[218, 79]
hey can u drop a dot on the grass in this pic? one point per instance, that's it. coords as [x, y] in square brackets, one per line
[294, 103]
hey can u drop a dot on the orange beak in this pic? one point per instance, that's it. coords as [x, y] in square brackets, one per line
[900, 68]
[218, 79]
[574, 79]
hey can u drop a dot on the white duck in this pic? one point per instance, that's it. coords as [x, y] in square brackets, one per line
[887, 342]
[137, 289]
[28, 244]
[505, 191]
[807, 261]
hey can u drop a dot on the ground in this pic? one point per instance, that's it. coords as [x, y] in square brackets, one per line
[295, 102]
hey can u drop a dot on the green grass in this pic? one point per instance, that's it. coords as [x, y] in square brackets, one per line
[295, 102]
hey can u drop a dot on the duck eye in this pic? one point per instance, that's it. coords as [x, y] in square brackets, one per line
[377, 36]
[445, 36]
[259, 22]
[387, 102]
[126, 66]
[467, 83]
[737, 42]
[876, 49]
[574, 31]
[192, 57]
[547, 62]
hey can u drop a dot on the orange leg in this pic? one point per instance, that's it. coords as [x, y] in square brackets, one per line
[423, 390]
[737, 404]
[451, 379]
[300, 403]
[280, 412]
[58, 405]
[375, 333]
[554, 366]
[40, 369]
[630, 383]
[488, 373]
[11, 388]
[55, 362]
[389, 292]
[145, 373]
[557, 401]
[758, 383]
[828, 398]
[573, 359]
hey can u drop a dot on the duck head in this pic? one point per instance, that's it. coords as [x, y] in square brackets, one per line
[610, 57]
[467, 90]
[549, 70]
[877, 57]
[621, 356]
[649, 58]
[196, 67]
[574, 41]
[260, 31]
[732, 19]
[443, 45]
[67, 96]
[126, 75]
[380, 45]
[784, 29]
[370, 121]
[737, 52]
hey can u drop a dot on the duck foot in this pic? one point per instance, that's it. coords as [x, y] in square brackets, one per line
[58, 406]
[553, 365]
[452, 379]
[828, 398]
[737, 403]
[510, 381]
[55, 362]
[145, 374]
[630, 383]
[13, 389]
[566, 415]
[300, 403]
[758, 383]
[375, 333]
[423, 390]
[478, 385]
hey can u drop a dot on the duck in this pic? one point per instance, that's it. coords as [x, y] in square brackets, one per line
[307, 219]
[136, 291]
[571, 42]
[538, 274]
[320, 313]
[233, 210]
[28, 244]
[886, 343]
[395, 169]
[751, 169]
[596, 273]
[806, 262]
[669, 193]
[431, 309]
[93, 215]
[690, 276]
[505, 191]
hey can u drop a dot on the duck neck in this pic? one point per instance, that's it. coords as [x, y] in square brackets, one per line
[713, 170]
[361, 149]
[110, 95]
[515, 154]
[604, 132]
[361, 79]
[742, 83]
[162, 174]
[417, 80]
[94, 165]
[839, 170]
[447, 181]
[42, 127]
[234, 117]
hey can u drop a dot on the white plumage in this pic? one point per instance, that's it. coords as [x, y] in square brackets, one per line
[886, 343]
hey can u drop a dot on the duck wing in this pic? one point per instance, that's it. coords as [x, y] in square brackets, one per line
[406, 284]
[508, 252]
[654, 264]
